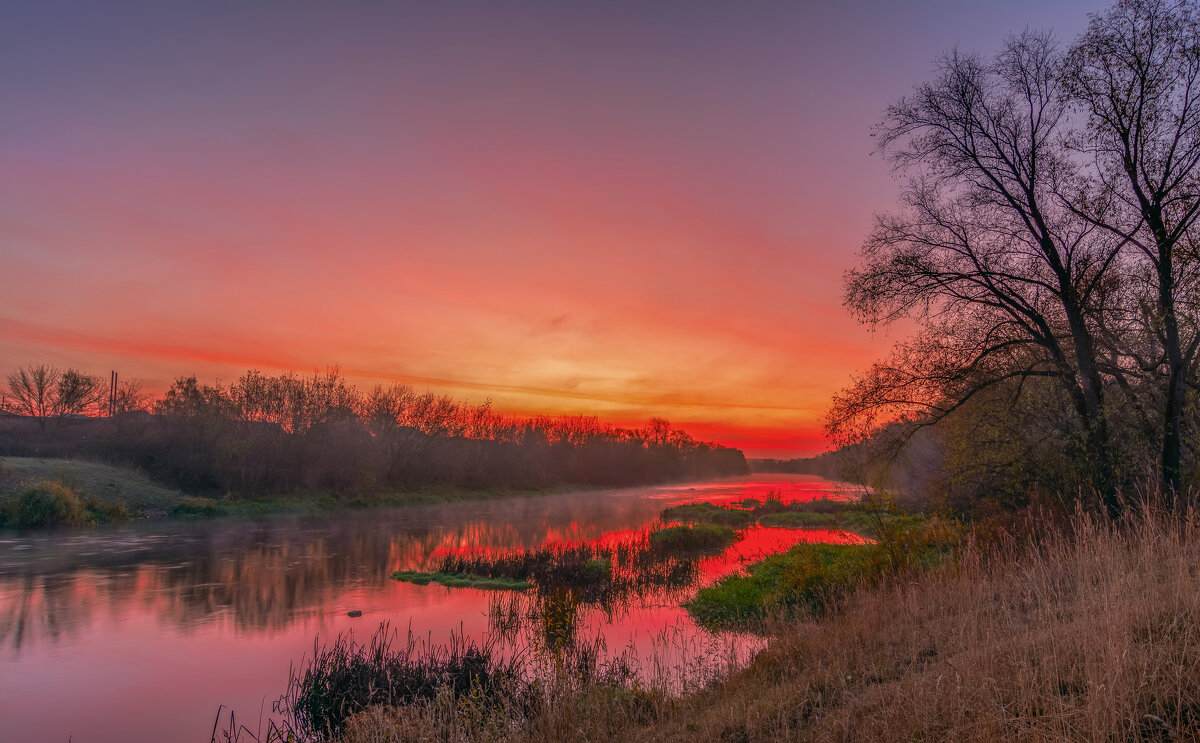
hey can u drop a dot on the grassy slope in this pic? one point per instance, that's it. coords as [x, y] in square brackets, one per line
[141, 494]
[1090, 636]
[90, 479]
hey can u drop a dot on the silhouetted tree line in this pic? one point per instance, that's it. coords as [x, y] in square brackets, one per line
[267, 434]
[1046, 249]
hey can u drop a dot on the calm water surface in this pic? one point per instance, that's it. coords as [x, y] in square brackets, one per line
[140, 632]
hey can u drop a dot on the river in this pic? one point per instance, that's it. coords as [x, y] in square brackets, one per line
[140, 632]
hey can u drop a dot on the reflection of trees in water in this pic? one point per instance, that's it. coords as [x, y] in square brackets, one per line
[263, 576]
[549, 617]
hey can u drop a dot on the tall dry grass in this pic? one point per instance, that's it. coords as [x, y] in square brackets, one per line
[1088, 633]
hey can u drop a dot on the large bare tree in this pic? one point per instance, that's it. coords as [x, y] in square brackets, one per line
[41, 391]
[986, 254]
[33, 389]
[1136, 74]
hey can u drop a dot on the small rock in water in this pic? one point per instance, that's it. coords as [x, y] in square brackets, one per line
[354, 613]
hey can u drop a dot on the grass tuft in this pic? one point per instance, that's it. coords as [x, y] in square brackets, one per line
[693, 539]
[460, 580]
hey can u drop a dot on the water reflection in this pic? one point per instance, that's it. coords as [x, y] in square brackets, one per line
[153, 599]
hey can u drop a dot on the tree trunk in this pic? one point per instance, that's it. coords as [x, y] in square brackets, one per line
[1093, 414]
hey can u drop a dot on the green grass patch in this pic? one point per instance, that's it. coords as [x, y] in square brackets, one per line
[825, 513]
[460, 580]
[196, 507]
[799, 520]
[693, 539]
[805, 579]
[708, 513]
[810, 579]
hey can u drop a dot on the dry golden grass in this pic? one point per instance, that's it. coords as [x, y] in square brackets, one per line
[1092, 634]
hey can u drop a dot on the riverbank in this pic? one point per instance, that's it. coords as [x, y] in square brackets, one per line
[76, 492]
[1088, 632]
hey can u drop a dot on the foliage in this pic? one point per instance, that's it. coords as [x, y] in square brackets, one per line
[48, 503]
[264, 435]
[100, 511]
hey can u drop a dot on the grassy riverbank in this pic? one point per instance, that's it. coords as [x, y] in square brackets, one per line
[1088, 631]
[77, 492]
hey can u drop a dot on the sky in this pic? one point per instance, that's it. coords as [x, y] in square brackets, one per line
[624, 209]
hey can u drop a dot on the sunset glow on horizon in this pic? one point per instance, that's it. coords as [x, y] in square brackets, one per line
[627, 210]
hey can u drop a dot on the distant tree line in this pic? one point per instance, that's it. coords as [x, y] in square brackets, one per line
[1046, 249]
[266, 434]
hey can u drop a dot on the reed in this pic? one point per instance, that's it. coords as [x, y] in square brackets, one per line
[1087, 630]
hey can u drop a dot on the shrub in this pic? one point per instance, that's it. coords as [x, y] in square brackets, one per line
[47, 503]
[105, 511]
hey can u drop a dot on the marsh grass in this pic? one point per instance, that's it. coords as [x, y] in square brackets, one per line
[472, 684]
[1088, 631]
[460, 580]
[799, 520]
[866, 516]
[812, 579]
[708, 513]
[808, 579]
[589, 573]
[698, 539]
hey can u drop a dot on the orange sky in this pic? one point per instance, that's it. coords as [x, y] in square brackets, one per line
[623, 211]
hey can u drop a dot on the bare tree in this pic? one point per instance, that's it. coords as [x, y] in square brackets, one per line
[1136, 74]
[77, 393]
[985, 254]
[130, 396]
[34, 389]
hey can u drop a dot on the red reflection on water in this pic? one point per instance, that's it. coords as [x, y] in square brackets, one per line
[758, 542]
[148, 633]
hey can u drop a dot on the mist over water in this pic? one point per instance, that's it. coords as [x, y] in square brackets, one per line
[141, 631]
